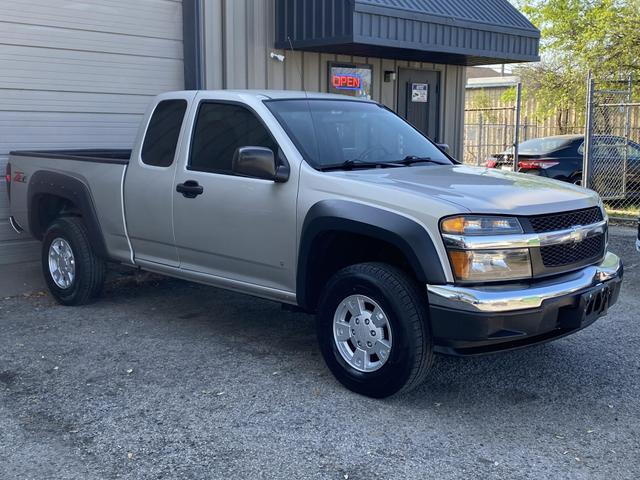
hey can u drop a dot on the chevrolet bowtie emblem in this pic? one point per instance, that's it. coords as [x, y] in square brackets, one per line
[578, 234]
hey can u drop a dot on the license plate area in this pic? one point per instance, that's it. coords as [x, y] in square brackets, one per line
[595, 303]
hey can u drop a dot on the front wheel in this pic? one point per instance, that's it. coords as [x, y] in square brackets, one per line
[73, 272]
[373, 330]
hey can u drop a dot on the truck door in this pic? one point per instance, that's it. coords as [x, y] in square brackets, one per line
[238, 228]
[148, 192]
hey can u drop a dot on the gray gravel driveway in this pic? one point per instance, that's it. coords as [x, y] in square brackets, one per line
[164, 379]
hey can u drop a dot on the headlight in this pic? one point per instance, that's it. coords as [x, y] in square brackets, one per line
[480, 225]
[485, 265]
[490, 265]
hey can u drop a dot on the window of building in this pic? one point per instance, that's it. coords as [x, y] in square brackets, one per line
[161, 140]
[219, 131]
[351, 79]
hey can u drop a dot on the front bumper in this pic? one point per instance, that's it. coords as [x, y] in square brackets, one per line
[473, 321]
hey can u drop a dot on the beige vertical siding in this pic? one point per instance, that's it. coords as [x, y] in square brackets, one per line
[239, 36]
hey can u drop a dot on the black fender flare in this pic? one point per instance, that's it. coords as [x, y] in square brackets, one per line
[45, 182]
[408, 236]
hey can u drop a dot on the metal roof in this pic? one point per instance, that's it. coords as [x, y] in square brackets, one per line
[492, 82]
[464, 32]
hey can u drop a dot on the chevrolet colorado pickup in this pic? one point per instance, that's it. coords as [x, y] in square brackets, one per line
[334, 206]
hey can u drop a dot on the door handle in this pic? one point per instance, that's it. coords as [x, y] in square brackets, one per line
[189, 189]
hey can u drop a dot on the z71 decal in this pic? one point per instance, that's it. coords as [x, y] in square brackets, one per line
[20, 177]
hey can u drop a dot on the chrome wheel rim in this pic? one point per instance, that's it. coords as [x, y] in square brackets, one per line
[362, 333]
[62, 263]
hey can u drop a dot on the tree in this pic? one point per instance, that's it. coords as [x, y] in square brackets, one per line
[598, 35]
[578, 36]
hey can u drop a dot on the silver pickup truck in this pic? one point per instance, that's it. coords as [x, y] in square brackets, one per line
[333, 206]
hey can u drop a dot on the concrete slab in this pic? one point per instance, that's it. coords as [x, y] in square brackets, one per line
[20, 278]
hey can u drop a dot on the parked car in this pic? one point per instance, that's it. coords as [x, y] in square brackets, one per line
[332, 205]
[561, 158]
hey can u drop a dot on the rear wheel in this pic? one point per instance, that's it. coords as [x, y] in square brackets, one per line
[373, 330]
[74, 274]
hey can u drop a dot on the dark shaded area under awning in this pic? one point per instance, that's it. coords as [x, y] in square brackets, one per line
[460, 32]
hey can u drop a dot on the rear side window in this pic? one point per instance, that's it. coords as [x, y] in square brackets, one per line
[161, 140]
[543, 146]
[219, 131]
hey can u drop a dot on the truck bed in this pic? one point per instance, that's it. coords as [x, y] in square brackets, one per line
[117, 156]
[101, 171]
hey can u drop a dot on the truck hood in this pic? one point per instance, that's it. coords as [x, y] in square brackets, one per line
[480, 190]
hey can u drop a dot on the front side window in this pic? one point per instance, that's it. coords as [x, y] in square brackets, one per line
[633, 151]
[161, 139]
[219, 131]
[331, 132]
[600, 147]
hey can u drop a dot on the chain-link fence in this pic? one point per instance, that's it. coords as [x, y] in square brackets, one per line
[491, 131]
[609, 158]
[612, 145]
[488, 131]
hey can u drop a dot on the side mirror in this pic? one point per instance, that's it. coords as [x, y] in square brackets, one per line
[444, 147]
[259, 162]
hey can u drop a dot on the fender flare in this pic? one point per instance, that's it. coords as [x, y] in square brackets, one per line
[45, 182]
[408, 236]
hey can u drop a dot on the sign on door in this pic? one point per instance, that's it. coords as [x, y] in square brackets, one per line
[420, 92]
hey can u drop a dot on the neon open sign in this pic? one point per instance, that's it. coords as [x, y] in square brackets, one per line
[350, 79]
[346, 81]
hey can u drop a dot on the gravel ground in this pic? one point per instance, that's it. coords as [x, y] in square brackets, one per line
[164, 379]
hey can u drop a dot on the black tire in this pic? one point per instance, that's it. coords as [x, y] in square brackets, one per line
[405, 305]
[90, 270]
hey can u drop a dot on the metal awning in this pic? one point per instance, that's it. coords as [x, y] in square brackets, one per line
[461, 32]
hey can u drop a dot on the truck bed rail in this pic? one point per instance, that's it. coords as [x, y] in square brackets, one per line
[115, 156]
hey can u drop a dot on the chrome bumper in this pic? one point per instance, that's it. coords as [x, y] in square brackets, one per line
[509, 298]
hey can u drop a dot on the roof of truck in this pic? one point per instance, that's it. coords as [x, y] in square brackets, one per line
[282, 94]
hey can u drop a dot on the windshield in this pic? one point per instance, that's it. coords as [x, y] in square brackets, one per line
[332, 132]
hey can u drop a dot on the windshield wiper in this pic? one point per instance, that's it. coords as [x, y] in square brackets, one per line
[408, 160]
[411, 159]
[351, 164]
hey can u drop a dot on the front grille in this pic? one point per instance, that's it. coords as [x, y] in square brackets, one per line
[564, 221]
[573, 253]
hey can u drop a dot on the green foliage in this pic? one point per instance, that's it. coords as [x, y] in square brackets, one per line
[555, 89]
[480, 99]
[598, 35]
[509, 96]
[578, 36]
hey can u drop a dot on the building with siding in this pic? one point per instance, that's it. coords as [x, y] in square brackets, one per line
[80, 73]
